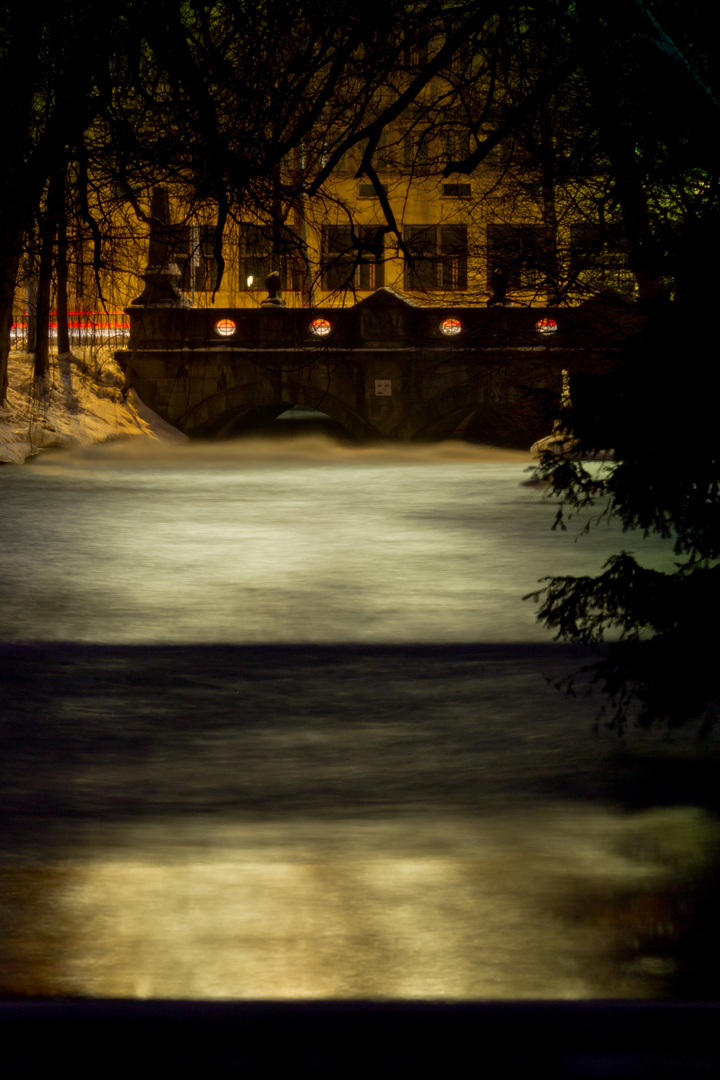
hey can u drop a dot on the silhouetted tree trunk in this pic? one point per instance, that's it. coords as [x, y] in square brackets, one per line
[19, 68]
[61, 266]
[619, 136]
[549, 206]
[9, 265]
[44, 293]
[31, 288]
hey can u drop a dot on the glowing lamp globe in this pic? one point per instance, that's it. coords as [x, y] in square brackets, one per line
[225, 327]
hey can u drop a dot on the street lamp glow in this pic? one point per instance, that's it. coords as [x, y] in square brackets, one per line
[225, 327]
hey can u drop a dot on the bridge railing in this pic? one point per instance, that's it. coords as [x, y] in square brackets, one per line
[377, 322]
[86, 328]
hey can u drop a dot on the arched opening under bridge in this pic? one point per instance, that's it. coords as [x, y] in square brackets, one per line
[279, 421]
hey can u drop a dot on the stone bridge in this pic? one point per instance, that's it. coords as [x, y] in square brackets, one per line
[385, 368]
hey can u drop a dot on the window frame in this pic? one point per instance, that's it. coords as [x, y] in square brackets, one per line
[345, 266]
[440, 259]
[524, 258]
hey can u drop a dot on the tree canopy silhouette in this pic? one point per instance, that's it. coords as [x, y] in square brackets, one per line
[651, 81]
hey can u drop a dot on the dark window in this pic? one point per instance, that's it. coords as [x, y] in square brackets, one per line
[417, 48]
[453, 256]
[266, 248]
[408, 149]
[202, 258]
[256, 257]
[416, 141]
[456, 191]
[191, 249]
[296, 271]
[501, 154]
[380, 157]
[352, 258]
[438, 257]
[423, 149]
[421, 269]
[598, 262]
[522, 254]
[367, 191]
[464, 53]
[456, 138]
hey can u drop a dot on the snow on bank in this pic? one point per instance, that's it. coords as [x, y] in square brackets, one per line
[80, 402]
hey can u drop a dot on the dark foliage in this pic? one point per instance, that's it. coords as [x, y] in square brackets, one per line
[656, 410]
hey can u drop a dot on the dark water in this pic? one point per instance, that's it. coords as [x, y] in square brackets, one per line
[279, 726]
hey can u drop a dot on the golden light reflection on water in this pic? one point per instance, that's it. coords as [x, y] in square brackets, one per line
[420, 908]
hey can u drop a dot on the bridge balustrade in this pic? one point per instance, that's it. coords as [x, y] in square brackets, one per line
[385, 368]
[385, 320]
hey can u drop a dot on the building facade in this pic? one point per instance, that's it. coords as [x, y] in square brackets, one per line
[340, 216]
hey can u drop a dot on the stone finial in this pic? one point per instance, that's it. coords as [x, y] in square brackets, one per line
[272, 284]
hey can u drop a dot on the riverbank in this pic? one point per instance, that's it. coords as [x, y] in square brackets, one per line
[80, 402]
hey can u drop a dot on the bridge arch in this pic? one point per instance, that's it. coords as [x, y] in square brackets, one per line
[483, 410]
[224, 411]
[513, 424]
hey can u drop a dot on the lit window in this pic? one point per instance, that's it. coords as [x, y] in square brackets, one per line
[546, 326]
[321, 327]
[225, 327]
[451, 326]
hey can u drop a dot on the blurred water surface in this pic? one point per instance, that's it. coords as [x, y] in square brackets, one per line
[276, 723]
[296, 542]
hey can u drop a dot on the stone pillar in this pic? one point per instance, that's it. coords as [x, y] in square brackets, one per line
[162, 276]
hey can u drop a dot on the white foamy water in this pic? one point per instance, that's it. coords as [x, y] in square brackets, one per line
[299, 541]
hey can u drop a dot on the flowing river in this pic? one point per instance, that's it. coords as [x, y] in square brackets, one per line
[277, 723]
